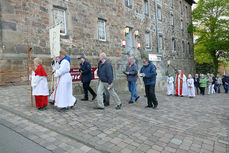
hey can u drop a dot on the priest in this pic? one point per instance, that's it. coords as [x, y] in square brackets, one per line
[181, 84]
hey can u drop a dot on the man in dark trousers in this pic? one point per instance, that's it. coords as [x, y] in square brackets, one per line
[86, 77]
[148, 72]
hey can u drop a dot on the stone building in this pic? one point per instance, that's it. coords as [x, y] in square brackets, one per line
[88, 27]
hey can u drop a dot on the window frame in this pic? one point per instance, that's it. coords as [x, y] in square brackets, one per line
[128, 3]
[104, 28]
[171, 19]
[186, 11]
[183, 46]
[182, 25]
[171, 3]
[57, 8]
[160, 42]
[159, 8]
[189, 48]
[149, 43]
[173, 44]
[146, 7]
[181, 8]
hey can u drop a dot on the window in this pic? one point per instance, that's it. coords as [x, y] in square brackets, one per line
[102, 30]
[160, 43]
[189, 48]
[59, 16]
[158, 12]
[183, 47]
[186, 11]
[173, 44]
[128, 3]
[171, 20]
[181, 10]
[146, 7]
[147, 39]
[181, 25]
[171, 3]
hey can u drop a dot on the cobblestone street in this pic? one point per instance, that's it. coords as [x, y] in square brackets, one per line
[178, 125]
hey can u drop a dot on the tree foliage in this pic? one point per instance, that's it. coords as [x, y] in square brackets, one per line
[212, 29]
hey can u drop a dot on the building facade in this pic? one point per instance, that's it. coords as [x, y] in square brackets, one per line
[88, 27]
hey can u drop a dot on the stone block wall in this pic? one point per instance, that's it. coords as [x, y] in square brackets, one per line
[27, 21]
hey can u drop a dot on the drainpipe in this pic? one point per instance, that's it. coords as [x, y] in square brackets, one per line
[155, 5]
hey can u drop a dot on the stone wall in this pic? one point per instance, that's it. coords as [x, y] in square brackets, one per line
[25, 21]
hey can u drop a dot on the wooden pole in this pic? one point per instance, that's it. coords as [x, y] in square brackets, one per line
[30, 71]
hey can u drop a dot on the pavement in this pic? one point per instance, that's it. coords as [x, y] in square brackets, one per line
[178, 125]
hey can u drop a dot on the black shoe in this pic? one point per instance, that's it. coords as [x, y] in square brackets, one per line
[73, 104]
[84, 99]
[136, 99]
[131, 102]
[148, 106]
[118, 106]
[93, 98]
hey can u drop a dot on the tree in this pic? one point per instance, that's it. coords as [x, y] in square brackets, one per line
[211, 26]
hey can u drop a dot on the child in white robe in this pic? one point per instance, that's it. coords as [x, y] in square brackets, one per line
[39, 84]
[191, 87]
[170, 86]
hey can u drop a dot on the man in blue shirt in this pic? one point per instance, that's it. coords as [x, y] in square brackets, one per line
[132, 74]
[86, 77]
[148, 72]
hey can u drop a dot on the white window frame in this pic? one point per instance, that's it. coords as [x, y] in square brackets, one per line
[146, 7]
[160, 42]
[55, 8]
[149, 43]
[171, 3]
[159, 17]
[171, 19]
[104, 29]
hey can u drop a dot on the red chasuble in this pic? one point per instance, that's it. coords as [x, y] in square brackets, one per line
[181, 84]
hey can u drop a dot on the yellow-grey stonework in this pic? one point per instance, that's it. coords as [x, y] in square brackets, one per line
[24, 21]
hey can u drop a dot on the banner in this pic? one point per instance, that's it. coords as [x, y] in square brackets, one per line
[54, 38]
[75, 73]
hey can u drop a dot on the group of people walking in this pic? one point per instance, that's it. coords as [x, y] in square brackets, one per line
[197, 85]
[62, 96]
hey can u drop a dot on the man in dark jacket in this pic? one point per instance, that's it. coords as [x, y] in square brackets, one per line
[148, 72]
[86, 77]
[132, 74]
[105, 74]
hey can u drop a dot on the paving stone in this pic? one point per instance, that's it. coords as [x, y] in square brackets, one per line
[188, 127]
